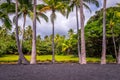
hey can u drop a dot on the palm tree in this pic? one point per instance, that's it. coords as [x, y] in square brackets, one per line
[111, 19]
[76, 3]
[33, 55]
[78, 44]
[103, 58]
[54, 6]
[8, 8]
[21, 56]
[24, 7]
[82, 19]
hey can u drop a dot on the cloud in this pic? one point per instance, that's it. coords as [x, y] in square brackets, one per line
[62, 25]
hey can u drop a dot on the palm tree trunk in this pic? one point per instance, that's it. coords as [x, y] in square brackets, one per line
[103, 58]
[118, 61]
[83, 50]
[21, 56]
[33, 55]
[53, 44]
[23, 29]
[114, 43]
[78, 44]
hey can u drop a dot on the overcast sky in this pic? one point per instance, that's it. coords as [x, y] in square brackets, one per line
[62, 25]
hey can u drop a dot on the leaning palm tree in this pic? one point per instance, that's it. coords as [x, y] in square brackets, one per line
[112, 17]
[25, 6]
[54, 5]
[21, 56]
[103, 57]
[8, 8]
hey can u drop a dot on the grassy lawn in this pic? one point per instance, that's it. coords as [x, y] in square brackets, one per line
[48, 58]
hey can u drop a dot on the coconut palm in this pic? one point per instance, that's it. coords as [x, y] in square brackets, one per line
[33, 55]
[8, 8]
[25, 8]
[76, 3]
[112, 16]
[21, 56]
[103, 57]
[54, 5]
[82, 19]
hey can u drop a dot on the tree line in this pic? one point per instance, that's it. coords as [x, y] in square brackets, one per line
[74, 44]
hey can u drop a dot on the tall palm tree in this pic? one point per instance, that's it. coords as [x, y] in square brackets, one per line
[24, 7]
[8, 8]
[111, 19]
[78, 44]
[82, 19]
[33, 55]
[54, 5]
[103, 57]
[21, 56]
[76, 3]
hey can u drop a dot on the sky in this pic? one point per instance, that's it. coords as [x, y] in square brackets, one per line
[62, 25]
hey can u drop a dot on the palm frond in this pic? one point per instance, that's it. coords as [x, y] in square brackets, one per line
[5, 20]
[42, 15]
[19, 16]
[87, 7]
[92, 2]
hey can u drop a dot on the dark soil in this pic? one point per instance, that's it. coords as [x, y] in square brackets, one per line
[69, 71]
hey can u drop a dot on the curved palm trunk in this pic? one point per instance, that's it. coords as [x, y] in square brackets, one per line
[21, 56]
[78, 44]
[53, 44]
[33, 55]
[103, 58]
[83, 50]
[114, 43]
[23, 29]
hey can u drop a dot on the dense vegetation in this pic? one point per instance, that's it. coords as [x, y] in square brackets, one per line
[65, 45]
[100, 36]
[93, 31]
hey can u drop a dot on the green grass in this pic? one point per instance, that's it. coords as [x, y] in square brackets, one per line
[48, 58]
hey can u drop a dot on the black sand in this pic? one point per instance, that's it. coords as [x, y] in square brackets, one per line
[60, 72]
